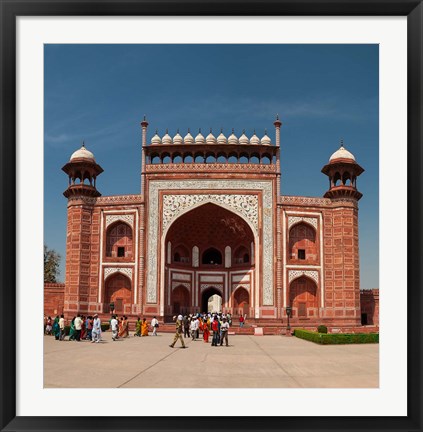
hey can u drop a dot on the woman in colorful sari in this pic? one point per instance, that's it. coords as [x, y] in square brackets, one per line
[56, 328]
[124, 328]
[206, 331]
[138, 327]
[144, 327]
[72, 330]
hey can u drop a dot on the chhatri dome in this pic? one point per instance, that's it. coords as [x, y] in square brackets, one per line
[82, 153]
[156, 139]
[342, 153]
[177, 139]
[188, 139]
[243, 139]
[167, 139]
[199, 139]
[221, 139]
[210, 139]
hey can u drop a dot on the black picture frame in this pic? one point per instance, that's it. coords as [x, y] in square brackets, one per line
[10, 10]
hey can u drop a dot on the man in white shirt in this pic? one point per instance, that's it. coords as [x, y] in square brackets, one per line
[96, 334]
[155, 325]
[78, 327]
[61, 327]
[194, 327]
[114, 325]
[224, 329]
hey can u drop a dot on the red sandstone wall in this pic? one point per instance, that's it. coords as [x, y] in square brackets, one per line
[369, 300]
[53, 299]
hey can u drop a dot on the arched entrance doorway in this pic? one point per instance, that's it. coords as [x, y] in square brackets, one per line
[180, 300]
[303, 297]
[217, 242]
[118, 291]
[211, 300]
[241, 301]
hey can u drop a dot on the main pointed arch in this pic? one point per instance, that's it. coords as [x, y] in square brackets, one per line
[212, 230]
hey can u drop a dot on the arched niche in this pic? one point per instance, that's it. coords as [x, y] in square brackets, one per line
[302, 246]
[119, 241]
[118, 290]
[303, 297]
[211, 256]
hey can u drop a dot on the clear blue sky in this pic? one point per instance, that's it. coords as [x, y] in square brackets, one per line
[99, 93]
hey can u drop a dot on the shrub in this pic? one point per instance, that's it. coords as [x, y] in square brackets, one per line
[322, 329]
[105, 327]
[338, 338]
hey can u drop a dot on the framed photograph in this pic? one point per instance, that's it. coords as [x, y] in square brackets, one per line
[233, 175]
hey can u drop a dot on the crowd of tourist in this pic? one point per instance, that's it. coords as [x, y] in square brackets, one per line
[214, 326]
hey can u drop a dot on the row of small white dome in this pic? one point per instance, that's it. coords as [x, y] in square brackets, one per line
[210, 139]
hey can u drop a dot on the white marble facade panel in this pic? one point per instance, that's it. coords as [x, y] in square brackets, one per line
[246, 206]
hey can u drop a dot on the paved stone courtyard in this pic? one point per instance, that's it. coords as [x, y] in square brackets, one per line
[249, 361]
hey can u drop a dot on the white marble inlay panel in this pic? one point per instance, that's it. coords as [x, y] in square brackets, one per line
[294, 274]
[241, 278]
[197, 185]
[128, 218]
[176, 284]
[247, 205]
[125, 270]
[181, 276]
[246, 286]
[208, 285]
[292, 220]
[216, 278]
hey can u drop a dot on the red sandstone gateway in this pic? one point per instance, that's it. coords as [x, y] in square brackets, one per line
[211, 221]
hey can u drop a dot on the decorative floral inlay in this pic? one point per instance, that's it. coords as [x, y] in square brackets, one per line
[128, 218]
[184, 284]
[209, 285]
[125, 270]
[294, 274]
[173, 205]
[292, 220]
[304, 200]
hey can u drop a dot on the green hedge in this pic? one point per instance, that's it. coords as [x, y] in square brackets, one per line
[337, 338]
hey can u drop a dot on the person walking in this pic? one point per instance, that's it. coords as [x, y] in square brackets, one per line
[62, 327]
[224, 330]
[89, 325]
[178, 333]
[215, 329]
[144, 327]
[138, 327]
[114, 326]
[241, 321]
[72, 330]
[56, 328]
[206, 330]
[193, 328]
[78, 327]
[186, 326]
[49, 326]
[96, 334]
[155, 325]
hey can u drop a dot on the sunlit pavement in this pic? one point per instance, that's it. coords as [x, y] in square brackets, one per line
[249, 361]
